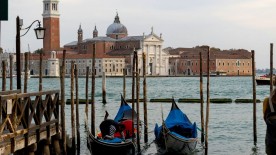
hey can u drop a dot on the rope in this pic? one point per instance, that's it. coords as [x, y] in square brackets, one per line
[145, 147]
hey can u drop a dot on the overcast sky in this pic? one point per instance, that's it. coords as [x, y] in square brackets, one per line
[224, 24]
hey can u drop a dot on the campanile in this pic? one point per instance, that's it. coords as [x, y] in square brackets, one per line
[50, 15]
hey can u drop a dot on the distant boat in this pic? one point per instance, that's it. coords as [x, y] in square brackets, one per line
[263, 80]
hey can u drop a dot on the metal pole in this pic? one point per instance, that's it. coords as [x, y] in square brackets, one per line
[18, 68]
[254, 98]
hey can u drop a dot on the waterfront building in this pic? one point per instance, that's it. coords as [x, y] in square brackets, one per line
[225, 62]
[112, 66]
[117, 43]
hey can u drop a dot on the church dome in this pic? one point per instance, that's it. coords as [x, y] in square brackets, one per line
[116, 27]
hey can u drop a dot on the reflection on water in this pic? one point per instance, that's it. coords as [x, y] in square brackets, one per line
[230, 125]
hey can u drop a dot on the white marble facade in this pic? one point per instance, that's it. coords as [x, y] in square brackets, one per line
[157, 61]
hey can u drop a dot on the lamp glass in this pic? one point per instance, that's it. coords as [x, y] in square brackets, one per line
[40, 32]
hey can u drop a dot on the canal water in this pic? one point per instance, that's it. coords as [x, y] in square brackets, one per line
[230, 125]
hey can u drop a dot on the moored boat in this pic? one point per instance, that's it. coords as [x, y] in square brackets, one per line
[176, 135]
[116, 146]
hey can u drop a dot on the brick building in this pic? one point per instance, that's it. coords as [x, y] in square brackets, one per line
[226, 62]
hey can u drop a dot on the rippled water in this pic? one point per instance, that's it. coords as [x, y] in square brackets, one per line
[230, 125]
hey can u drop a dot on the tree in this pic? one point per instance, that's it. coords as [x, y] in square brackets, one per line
[40, 50]
[1, 50]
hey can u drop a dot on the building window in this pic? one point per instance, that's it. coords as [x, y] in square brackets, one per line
[228, 63]
[223, 64]
[105, 70]
[219, 63]
[109, 70]
[116, 36]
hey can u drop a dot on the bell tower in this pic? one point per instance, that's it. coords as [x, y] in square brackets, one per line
[50, 15]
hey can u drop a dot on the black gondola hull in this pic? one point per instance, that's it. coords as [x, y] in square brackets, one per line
[98, 147]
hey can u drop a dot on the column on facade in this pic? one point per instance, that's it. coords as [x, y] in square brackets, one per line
[155, 59]
[160, 59]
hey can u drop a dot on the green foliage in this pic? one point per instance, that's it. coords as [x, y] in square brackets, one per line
[1, 50]
[40, 50]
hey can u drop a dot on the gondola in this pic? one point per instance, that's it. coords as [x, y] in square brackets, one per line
[176, 135]
[116, 146]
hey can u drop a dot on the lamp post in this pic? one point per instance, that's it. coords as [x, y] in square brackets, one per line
[40, 33]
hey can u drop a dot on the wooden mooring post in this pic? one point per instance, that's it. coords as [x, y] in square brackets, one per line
[3, 75]
[208, 100]
[73, 149]
[26, 72]
[93, 93]
[62, 86]
[77, 108]
[201, 100]
[271, 67]
[137, 101]
[133, 95]
[124, 82]
[104, 88]
[40, 71]
[11, 71]
[86, 94]
[145, 99]
[254, 98]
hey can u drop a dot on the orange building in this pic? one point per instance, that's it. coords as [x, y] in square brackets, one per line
[226, 62]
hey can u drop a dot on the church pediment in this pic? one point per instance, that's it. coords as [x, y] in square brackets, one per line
[153, 38]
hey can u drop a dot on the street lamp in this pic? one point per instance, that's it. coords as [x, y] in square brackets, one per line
[40, 33]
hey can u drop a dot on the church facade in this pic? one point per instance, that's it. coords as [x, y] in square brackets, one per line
[117, 43]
